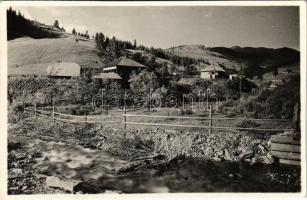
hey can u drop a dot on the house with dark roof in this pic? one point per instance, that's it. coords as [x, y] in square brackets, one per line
[124, 67]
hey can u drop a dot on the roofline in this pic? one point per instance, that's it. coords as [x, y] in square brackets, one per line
[141, 66]
[212, 70]
[109, 68]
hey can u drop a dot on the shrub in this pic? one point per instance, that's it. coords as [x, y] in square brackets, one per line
[187, 111]
[247, 124]
[278, 103]
[15, 113]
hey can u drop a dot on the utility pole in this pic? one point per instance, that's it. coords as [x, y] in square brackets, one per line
[208, 91]
[102, 98]
[240, 79]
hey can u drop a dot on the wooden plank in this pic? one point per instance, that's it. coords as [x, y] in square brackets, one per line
[162, 116]
[285, 147]
[205, 118]
[67, 115]
[213, 127]
[290, 162]
[284, 140]
[286, 155]
[171, 125]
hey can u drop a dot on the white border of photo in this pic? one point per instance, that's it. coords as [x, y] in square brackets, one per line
[3, 96]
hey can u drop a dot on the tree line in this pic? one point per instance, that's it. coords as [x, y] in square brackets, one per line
[18, 26]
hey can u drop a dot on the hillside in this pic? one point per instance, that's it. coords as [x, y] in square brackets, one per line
[236, 56]
[18, 26]
[28, 56]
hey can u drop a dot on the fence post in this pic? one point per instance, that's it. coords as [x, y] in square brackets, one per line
[53, 119]
[35, 111]
[124, 119]
[210, 119]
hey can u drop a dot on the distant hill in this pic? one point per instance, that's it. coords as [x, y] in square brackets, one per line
[234, 57]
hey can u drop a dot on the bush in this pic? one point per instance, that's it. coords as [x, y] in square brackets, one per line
[187, 111]
[15, 113]
[278, 103]
[247, 124]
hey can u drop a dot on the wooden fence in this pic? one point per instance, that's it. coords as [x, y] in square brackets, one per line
[91, 119]
[56, 116]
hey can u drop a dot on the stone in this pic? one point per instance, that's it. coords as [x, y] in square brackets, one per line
[227, 155]
[24, 188]
[246, 154]
[266, 160]
[16, 170]
[52, 181]
[253, 160]
[217, 159]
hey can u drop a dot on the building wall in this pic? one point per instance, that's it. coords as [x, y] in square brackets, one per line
[207, 75]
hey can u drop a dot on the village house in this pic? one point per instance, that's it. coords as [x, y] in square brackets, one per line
[123, 67]
[211, 72]
[63, 70]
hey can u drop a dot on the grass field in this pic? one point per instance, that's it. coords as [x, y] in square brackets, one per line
[32, 56]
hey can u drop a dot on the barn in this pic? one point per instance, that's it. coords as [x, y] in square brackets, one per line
[64, 70]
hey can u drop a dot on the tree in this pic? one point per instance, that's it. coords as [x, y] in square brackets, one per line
[275, 71]
[56, 24]
[74, 31]
[134, 44]
[143, 82]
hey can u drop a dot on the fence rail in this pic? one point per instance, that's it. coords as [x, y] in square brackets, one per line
[56, 116]
[206, 118]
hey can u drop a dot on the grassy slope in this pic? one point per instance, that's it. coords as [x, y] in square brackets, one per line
[232, 57]
[199, 51]
[34, 55]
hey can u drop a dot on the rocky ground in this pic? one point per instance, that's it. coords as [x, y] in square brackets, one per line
[22, 177]
[45, 158]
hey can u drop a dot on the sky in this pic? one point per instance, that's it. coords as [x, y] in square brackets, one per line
[165, 27]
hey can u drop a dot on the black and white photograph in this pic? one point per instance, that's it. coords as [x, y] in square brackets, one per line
[135, 97]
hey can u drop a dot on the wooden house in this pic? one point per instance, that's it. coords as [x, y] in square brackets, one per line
[211, 72]
[124, 67]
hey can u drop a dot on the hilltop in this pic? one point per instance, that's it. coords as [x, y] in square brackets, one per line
[32, 56]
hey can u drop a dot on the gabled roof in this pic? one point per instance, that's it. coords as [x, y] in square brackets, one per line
[211, 68]
[125, 62]
[107, 76]
[64, 69]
